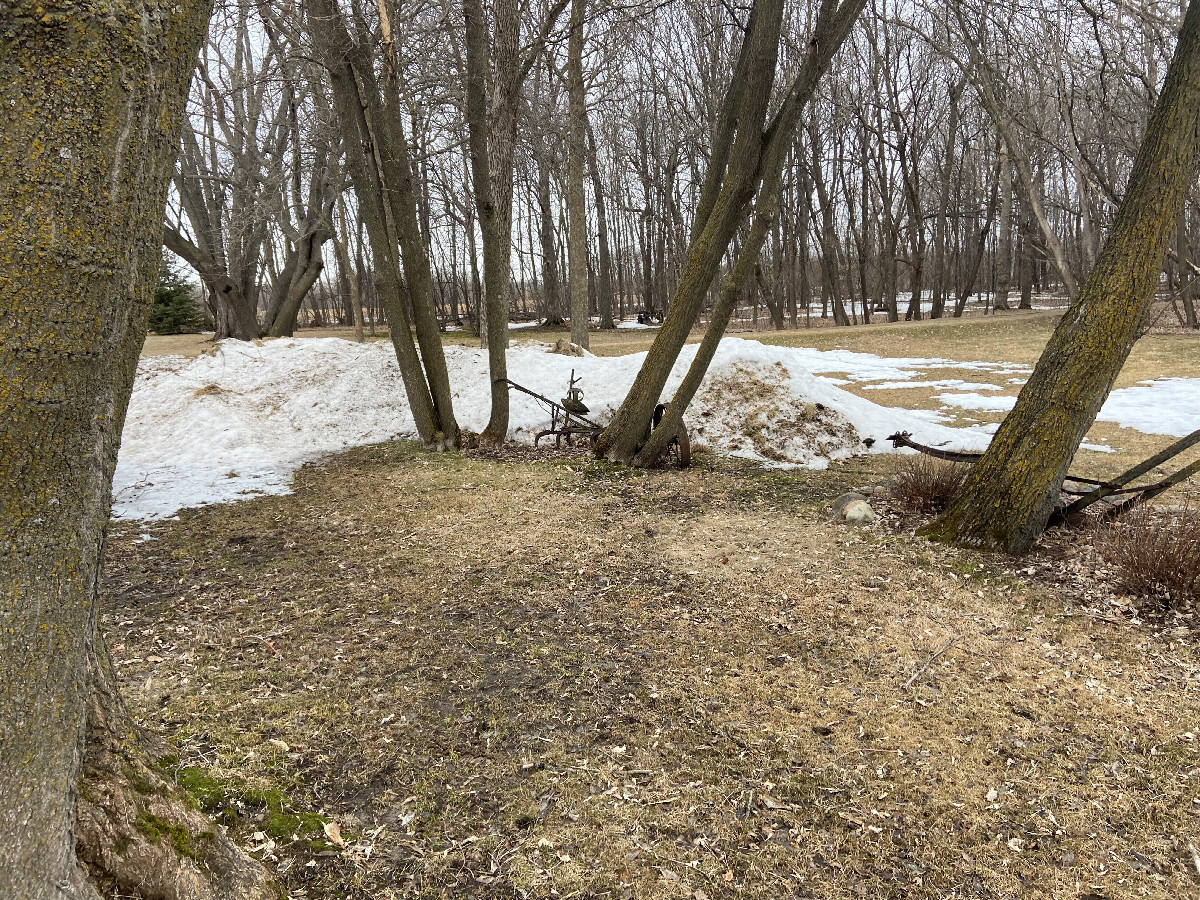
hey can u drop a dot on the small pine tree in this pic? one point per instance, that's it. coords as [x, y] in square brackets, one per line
[175, 310]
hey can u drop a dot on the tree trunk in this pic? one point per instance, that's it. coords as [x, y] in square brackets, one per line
[604, 263]
[120, 793]
[1011, 492]
[972, 273]
[1025, 259]
[235, 311]
[1004, 245]
[93, 95]
[491, 175]
[552, 306]
[832, 27]
[576, 204]
[1186, 284]
[712, 229]
[391, 148]
[333, 42]
[940, 239]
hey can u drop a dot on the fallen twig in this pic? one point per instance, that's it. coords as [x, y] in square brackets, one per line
[940, 650]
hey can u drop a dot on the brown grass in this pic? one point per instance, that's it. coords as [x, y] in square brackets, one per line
[549, 677]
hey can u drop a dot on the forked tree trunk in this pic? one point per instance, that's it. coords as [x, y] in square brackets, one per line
[1011, 492]
[833, 26]
[337, 50]
[93, 95]
[391, 149]
[729, 186]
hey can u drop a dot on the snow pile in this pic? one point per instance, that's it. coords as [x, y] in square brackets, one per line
[239, 421]
[753, 411]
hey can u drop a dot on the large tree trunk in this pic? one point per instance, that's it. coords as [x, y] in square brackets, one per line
[120, 795]
[93, 95]
[235, 313]
[576, 203]
[1011, 492]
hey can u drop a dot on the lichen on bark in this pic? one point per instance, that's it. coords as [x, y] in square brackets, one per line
[92, 93]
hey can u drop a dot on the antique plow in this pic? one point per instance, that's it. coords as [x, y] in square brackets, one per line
[568, 420]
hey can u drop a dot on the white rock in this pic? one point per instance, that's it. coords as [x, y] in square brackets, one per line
[858, 513]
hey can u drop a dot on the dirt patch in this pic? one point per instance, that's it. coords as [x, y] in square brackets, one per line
[550, 676]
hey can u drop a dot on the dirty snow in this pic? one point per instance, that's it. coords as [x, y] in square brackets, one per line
[238, 421]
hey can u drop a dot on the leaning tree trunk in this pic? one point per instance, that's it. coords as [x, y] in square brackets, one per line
[721, 207]
[337, 51]
[832, 28]
[93, 95]
[1011, 492]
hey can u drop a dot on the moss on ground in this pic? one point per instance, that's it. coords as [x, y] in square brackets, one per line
[156, 829]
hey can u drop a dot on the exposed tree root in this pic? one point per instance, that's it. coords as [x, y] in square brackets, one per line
[137, 832]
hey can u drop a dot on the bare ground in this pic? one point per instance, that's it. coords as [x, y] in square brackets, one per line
[540, 676]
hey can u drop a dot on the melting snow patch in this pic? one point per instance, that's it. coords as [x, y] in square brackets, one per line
[240, 420]
[955, 383]
[1166, 406]
[977, 401]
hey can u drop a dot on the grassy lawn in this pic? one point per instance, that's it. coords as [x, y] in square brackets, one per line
[542, 676]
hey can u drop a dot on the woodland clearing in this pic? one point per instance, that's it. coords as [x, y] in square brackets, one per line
[534, 674]
[543, 677]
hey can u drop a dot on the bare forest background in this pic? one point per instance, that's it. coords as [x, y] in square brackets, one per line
[960, 157]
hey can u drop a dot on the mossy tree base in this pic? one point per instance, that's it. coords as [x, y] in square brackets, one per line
[138, 833]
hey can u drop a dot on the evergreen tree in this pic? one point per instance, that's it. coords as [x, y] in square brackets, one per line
[175, 310]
